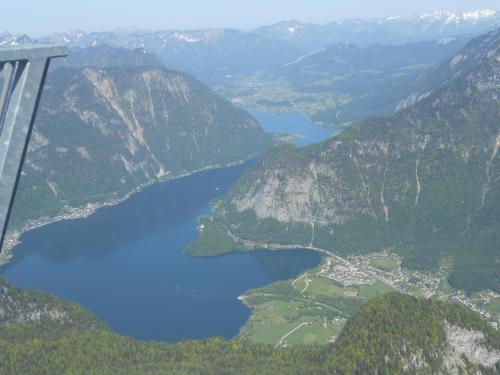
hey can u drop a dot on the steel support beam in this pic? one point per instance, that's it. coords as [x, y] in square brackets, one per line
[22, 75]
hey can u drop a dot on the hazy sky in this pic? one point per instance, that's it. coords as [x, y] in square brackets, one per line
[38, 17]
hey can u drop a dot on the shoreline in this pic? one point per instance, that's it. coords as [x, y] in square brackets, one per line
[252, 246]
[13, 238]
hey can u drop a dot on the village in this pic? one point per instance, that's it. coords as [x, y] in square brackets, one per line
[386, 267]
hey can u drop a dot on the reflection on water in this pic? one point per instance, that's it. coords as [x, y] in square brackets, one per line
[127, 264]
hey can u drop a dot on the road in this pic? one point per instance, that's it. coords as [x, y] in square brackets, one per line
[326, 252]
[289, 333]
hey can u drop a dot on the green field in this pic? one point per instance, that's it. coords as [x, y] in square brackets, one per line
[322, 285]
[377, 289]
[445, 287]
[385, 264]
[314, 333]
[414, 291]
[270, 321]
[493, 306]
[312, 308]
[279, 308]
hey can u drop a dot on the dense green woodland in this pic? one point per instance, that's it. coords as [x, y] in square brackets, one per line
[43, 335]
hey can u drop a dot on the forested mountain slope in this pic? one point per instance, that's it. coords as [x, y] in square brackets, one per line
[115, 120]
[40, 334]
[424, 183]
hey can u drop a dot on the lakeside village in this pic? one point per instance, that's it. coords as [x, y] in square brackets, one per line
[12, 238]
[355, 273]
[386, 267]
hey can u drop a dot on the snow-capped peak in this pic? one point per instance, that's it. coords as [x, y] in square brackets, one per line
[185, 38]
[394, 18]
[450, 17]
[7, 39]
[479, 14]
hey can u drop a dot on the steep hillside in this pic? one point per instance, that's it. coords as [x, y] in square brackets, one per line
[103, 132]
[398, 334]
[423, 183]
[391, 334]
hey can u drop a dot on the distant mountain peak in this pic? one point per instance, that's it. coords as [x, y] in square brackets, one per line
[7, 39]
[185, 37]
[397, 29]
[458, 17]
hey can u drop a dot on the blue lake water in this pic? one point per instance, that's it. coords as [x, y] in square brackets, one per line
[296, 124]
[127, 264]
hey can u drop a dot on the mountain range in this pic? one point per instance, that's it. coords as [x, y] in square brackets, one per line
[209, 54]
[390, 30]
[423, 183]
[212, 54]
[336, 73]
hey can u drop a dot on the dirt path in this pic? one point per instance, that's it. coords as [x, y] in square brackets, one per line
[289, 333]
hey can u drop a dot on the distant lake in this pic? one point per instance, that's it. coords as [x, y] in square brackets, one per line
[127, 264]
[296, 124]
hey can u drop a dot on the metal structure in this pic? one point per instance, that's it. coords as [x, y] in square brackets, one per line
[22, 75]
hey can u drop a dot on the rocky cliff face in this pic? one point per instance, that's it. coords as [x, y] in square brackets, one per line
[404, 335]
[103, 131]
[470, 344]
[424, 182]
[21, 306]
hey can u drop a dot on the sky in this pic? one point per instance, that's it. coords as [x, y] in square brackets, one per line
[41, 17]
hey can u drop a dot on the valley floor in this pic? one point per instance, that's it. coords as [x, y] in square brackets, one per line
[313, 307]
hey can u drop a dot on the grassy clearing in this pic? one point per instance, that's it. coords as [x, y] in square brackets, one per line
[493, 306]
[415, 291]
[270, 321]
[445, 287]
[371, 291]
[313, 334]
[279, 308]
[385, 264]
[324, 286]
[265, 332]
[300, 284]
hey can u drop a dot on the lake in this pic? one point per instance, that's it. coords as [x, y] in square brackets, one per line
[296, 124]
[127, 264]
